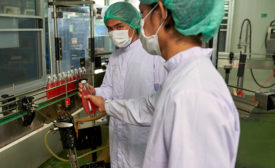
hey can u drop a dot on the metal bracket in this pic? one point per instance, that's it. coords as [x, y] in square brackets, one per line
[70, 3]
[58, 48]
[25, 104]
[58, 14]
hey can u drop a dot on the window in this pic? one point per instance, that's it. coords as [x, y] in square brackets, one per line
[21, 46]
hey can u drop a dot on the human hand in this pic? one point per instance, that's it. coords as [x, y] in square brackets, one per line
[98, 101]
[93, 92]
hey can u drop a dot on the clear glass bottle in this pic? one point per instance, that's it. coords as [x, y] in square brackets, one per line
[88, 105]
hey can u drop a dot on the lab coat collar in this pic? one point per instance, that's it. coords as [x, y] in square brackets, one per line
[131, 46]
[187, 56]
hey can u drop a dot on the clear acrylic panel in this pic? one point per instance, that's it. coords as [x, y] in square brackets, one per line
[74, 30]
[18, 23]
[20, 7]
[19, 55]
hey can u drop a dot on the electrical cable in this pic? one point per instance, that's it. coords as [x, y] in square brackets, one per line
[50, 150]
[88, 157]
[262, 86]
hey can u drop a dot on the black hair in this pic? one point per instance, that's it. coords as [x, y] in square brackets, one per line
[171, 23]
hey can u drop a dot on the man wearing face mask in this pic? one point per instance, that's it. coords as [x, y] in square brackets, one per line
[131, 73]
[194, 122]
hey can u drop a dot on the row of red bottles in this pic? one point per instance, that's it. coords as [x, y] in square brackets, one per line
[66, 80]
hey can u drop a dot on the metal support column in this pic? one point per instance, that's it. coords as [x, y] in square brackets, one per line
[92, 43]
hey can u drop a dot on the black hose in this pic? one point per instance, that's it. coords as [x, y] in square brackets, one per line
[265, 87]
[250, 34]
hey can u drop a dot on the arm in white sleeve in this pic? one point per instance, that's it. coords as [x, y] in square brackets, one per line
[106, 88]
[200, 131]
[133, 111]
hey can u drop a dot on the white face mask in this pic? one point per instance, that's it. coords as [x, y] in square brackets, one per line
[120, 38]
[150, 43]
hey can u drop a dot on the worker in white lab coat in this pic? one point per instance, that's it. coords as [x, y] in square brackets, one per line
[194, 122]
[131, 73]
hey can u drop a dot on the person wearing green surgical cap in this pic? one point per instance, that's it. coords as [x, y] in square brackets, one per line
[131, 73]
[194, 122]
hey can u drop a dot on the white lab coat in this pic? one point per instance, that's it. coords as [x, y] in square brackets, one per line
[131, 73]
[194, 122]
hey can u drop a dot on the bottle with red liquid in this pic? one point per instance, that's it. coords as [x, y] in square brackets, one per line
[83, 71]
[49, 86]
[79, 76]
[69, 80]
[73, 85]
[64, 79]
[75, 74]
[59, 83]
[54, 84]
[75, 78]
[88, 105]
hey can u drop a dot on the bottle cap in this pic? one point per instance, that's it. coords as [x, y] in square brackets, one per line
[83, 81]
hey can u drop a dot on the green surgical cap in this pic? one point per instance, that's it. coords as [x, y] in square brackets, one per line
[125, 12]
[193, 17]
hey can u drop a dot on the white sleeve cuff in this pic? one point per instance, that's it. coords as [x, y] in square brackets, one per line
[107, 107]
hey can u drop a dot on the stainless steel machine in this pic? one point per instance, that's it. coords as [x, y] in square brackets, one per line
[38, 40]
[270, 41]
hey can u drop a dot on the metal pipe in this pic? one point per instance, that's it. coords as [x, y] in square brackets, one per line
[71, 3]
[20, 30]
[55, 96]
[38, 93]
[21, 16]
[103, 53]
[240, 83]
[92, 50]
[226, 78]
[55, 21]
[247, 53]
[7, 110]
[217, 49]
[58, 66]
[23, 93]
[56, 35]
[73, 158]
[54, 88]
[14, 101]
[92, 44]
[241, 88]
[6, 116]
